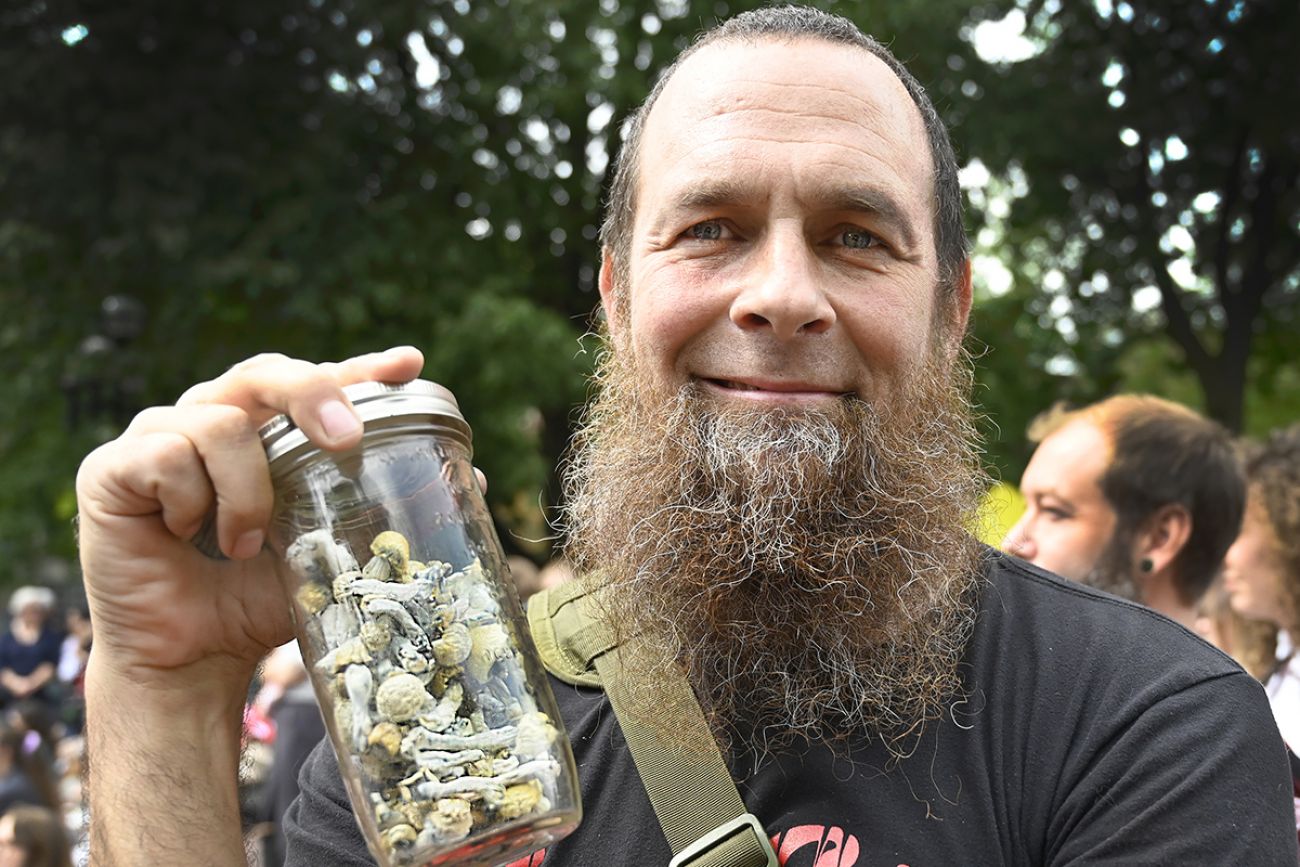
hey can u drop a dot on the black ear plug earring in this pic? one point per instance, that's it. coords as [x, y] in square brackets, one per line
[1146, 565]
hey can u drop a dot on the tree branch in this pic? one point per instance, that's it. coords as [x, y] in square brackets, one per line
[1171, 303]
[1231, 192]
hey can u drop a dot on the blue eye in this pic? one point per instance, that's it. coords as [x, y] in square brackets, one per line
[857, 239]
[710, 231]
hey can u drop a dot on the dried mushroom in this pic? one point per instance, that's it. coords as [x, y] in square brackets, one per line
[428, 690]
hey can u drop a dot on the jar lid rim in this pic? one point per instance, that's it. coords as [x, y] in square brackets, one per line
[377, 402]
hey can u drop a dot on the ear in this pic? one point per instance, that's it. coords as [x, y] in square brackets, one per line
[963, 297]
[608, 302]
[959, 303]
[1163, 536]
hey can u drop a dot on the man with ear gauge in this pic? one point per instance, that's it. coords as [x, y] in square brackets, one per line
[767, 500]
[1134, 495]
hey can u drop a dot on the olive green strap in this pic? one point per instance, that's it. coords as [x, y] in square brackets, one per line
[544, 609]
[701, 813]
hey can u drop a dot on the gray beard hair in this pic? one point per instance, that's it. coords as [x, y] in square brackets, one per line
[810, 570]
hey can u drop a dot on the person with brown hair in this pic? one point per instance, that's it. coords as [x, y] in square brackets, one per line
[25, 774]
[771, 489]
[1249, 641]
[1134, 495]
[33, 837]
[1262, 570]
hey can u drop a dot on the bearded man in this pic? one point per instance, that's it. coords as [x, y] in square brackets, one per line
[770, 491]
[1134, 495]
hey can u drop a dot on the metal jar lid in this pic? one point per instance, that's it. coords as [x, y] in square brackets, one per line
[376, 403]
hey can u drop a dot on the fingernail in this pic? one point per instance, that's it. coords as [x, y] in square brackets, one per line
[338, 421]
[247, 545]
[394, 351]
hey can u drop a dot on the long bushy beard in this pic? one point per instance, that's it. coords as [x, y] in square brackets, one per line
[809, 569]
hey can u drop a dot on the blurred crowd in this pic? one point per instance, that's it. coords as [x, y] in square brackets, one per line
[43, 653]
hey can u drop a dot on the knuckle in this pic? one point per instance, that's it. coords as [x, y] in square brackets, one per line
[147, 419]
[225, 422]
[169, 454]
[262, 359]
[196, 393]
[92, 466]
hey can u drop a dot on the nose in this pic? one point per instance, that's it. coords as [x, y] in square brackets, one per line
[1018, 540]
[783, 290]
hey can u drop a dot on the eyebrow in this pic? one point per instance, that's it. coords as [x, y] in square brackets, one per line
[879, 203]
[1052, 492]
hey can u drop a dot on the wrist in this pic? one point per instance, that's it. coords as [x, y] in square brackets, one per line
[167, 710]
[164, 758]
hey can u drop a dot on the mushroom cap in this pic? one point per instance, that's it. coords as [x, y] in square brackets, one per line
[402, 697]
[394, 548]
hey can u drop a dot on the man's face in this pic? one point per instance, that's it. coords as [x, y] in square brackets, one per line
[774, 477]
[783, 245]
[1068, 523]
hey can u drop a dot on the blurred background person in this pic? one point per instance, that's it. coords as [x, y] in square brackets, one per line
[29, 649]
[25, 774]
[71, 672]
[525, 574]
[1251, 642]
[556, 571]
[33, 837]
[287, 699]
[37, 724]
[1134, 495]
[1262, 570]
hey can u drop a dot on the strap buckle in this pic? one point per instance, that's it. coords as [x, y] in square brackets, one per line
[722, 833]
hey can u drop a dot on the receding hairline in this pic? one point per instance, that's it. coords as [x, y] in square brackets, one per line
[790, 24]
[759, 40]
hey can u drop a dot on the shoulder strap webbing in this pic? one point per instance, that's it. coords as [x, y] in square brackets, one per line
[701, 813]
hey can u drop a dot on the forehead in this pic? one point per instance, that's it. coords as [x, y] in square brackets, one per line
[798, 110]
[1074, 456]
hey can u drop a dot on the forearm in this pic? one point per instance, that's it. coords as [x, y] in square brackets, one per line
[43, 674]
[163, 768]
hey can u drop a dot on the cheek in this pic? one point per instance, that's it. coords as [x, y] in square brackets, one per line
[890, 333]
[1080, 547]
[1270, 589]
[664, 319]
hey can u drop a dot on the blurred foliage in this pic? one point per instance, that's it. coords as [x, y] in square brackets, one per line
[327, 177]
[1150, 204]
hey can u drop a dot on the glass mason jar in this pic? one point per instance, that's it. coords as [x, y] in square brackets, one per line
[447, 735]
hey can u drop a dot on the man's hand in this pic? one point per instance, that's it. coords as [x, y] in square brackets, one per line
[177, 635]
[160, 607]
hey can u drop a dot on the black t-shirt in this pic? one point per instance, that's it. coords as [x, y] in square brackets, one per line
[1095, 732]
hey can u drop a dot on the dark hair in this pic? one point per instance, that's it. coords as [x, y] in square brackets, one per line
[1273, 473]
[788, 23]
[32, 762]
[39, 832]
[32, 715]
[1163, 453]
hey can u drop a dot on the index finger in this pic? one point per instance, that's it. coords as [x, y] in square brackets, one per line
[310, 394]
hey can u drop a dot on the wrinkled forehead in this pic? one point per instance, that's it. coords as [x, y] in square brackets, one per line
[803, 90]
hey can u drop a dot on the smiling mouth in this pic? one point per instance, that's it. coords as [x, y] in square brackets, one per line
[792, 390]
